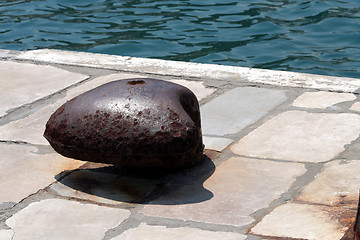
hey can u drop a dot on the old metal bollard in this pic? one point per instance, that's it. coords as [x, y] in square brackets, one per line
[133, 123]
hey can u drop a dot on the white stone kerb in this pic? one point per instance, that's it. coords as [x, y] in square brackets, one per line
[186, 70]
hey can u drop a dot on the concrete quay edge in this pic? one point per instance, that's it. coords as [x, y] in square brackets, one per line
[190, 70]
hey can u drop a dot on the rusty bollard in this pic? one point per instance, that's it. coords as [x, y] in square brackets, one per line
[145, 123]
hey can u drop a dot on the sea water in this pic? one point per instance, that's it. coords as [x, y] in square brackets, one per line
[321, 36]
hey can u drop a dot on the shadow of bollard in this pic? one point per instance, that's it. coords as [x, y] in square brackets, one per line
[116, 185]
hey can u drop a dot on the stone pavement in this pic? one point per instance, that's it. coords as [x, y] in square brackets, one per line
[282, 155]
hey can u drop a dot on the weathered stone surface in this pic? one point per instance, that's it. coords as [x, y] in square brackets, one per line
[216, 143]
[6, 234]
[24, 172]
[23, 83]
[356, 107]
[197, 88]
[302, 221]
[31, 128]
[322, 100]
[5, 53]
[240, 187]
[63, 219]
[145, 231]
[338, 184]
[188, 69]
[133, 122]
[104, 187]
[234, 110]
[301, 136]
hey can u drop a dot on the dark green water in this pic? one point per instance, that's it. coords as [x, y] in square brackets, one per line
[320, 37]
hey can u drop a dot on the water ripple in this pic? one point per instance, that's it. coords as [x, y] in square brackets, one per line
[306, 36]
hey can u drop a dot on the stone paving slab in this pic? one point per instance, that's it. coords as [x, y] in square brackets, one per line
[197, 88]
[337, 185]
[301, 136]
[216, 143]
[236, 192]
[356, 107]
[63, 219]
[24, 171]
[301, 221]
[322, 100]
[184, 233]
[246, 104]
[23, 83]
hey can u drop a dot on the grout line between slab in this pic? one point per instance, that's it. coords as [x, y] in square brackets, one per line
[312, 169]
[136, 218]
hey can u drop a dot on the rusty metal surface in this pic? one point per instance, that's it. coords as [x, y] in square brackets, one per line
[131, 122]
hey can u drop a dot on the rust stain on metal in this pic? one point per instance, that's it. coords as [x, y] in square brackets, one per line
[134, 123]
